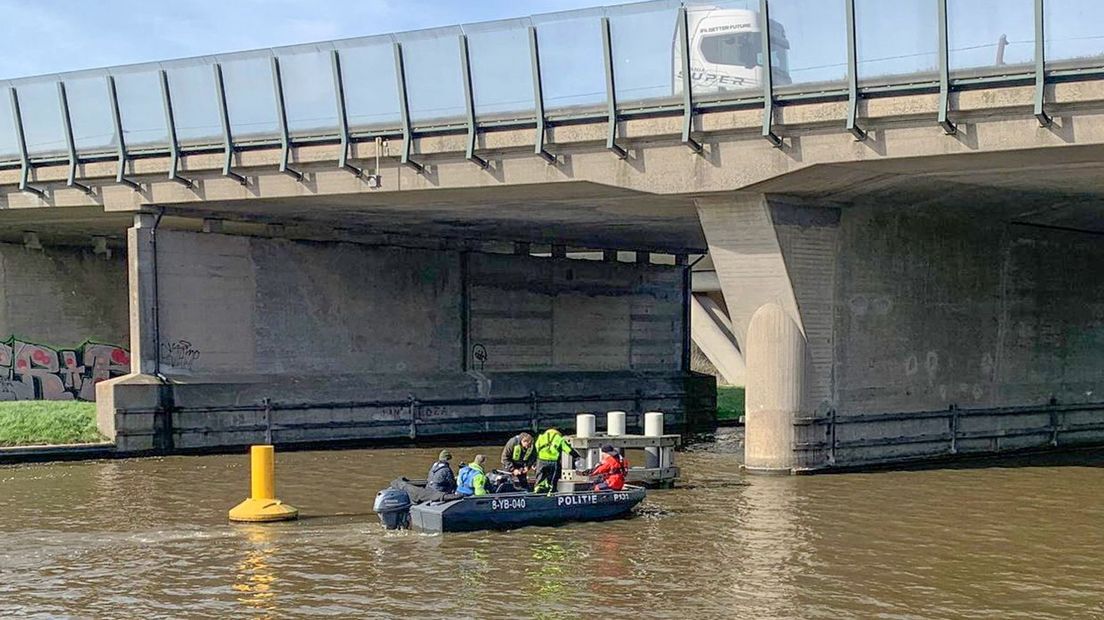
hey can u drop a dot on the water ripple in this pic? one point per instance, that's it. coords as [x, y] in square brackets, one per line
[149, 538]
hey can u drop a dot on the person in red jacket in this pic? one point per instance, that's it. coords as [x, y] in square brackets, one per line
[611, 471]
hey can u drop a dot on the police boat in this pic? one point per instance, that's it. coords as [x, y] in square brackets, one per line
[407, 503]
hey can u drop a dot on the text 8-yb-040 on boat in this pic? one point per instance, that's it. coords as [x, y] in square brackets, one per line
[398, 507]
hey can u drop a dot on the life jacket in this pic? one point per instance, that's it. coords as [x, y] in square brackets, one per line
[520, 454]
[465, 480]
[549, 445]
[615, 476]
[440, 478]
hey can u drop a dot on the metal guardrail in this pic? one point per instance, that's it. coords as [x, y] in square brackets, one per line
[146, 110]
[1054, 429]
[62, 452]
[410, 417]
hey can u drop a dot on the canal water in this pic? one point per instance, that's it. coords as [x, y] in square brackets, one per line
[149, 538]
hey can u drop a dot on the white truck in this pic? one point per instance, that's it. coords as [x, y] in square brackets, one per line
[726, 50]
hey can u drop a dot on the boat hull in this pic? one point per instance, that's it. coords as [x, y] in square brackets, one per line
[512, 510]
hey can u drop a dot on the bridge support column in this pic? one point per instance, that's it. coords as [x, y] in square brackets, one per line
[132, 409]
[141, 250]
[776, 369]
[930, 330]
[779, 255]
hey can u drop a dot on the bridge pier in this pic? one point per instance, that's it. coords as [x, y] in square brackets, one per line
[777, 259]
[143, 294]
[933, 329]
[777, 363]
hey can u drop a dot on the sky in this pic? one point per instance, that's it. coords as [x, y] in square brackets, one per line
[48, 36]
[895, 36]
[44, 36]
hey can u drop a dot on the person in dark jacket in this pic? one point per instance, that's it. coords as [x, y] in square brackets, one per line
[519, 456]
[440, 476]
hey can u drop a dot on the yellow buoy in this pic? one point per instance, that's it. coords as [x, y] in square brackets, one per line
[262, 504]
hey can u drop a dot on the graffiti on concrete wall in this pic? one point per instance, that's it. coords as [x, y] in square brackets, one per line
[180, 354]
[31, 371]
[479, 352]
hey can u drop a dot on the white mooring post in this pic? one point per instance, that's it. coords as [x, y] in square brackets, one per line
[615, 423]
[585, 425]
[653, 427]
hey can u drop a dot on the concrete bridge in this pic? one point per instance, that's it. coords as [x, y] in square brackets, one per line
[385, 237]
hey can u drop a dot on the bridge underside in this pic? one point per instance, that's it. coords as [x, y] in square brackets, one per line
[582, 215]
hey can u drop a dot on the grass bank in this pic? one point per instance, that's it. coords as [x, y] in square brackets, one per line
[730, 403]
[36, 422]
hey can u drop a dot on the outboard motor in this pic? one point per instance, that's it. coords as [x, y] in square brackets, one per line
[393, 508]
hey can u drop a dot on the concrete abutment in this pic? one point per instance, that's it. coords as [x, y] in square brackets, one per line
[297, 341]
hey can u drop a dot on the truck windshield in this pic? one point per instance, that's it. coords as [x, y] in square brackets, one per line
[739, 49]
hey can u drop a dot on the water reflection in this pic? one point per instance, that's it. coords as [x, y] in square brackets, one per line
[607, 559]
[255, 578]
[475, 577]
[767, 534]
[546, 572]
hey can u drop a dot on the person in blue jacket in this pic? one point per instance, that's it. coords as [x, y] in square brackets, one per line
[472, 480]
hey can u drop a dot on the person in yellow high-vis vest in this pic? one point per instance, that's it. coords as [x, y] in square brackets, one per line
[550, 447]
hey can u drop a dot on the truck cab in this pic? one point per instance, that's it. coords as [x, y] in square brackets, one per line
[726, 50]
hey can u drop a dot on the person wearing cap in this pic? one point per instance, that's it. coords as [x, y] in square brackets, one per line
[440, 476]
[472, 480]
[611, 471]
[550, 447]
